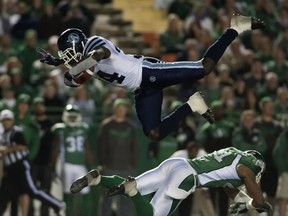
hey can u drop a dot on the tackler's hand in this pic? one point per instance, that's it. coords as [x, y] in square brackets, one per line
[47, 58]
[242, 207]
[238, 208]
[266, 207]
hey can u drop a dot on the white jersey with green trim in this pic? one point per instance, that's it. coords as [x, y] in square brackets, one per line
[120, 69]
[219, 169]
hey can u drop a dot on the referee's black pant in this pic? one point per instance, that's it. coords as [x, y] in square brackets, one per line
[17, 180]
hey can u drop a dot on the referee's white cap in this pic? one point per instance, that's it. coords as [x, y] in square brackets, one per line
[6, 114]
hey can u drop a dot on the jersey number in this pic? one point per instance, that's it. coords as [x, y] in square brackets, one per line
[74, 144]
[111, 77]
[220, 155]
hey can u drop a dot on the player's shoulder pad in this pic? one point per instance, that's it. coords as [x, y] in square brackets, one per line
[93, 43]
[84, 125]
[58, 126]
[231, 148]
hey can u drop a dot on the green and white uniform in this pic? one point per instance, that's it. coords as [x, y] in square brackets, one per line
[174, 179]
[72, 141]
[218, 169]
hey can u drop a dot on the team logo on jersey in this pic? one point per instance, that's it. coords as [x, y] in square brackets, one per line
[152, 78]
[73, 37]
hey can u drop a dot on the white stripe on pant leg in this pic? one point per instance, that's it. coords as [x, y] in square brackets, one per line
[161, 203]
[182, 64]
[35, 190]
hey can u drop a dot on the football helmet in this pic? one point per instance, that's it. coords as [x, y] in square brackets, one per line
[71, 44]
[71, 115]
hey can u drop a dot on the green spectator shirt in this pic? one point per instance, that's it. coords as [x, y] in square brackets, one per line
[243, 140]
[280, 152]
[216, 136]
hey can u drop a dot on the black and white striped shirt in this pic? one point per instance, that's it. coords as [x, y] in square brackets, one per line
[11, 138]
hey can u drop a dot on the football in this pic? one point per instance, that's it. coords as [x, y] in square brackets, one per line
[82, 77]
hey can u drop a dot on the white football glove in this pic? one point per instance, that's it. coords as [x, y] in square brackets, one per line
[238, 208]
[243, 207]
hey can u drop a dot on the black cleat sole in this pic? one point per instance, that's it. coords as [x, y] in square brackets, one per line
[119, 189]
[208, 115]
[82, 182]
[257, 23]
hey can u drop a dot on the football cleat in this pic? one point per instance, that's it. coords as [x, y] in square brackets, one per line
[208, 115]
[128, 187]
[257, 23]
[198, 105]
[244, 23]
[91, 178]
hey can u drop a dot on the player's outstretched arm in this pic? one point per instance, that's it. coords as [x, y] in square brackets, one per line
[84, 69]
[253, 189]
[47, 58]
[88, 61]
[257, 201]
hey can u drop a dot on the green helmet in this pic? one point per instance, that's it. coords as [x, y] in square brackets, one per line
[71, 115]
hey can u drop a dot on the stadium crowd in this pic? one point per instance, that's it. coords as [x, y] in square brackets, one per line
[248, 91]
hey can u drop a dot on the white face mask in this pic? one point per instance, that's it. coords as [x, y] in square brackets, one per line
[71, 119]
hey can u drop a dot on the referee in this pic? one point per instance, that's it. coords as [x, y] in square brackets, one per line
[17, 178]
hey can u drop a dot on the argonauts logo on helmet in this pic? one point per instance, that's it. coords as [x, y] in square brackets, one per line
[152, 78]
[73, 37]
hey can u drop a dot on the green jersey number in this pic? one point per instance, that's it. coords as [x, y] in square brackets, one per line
[220, 155]
[74, 144]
